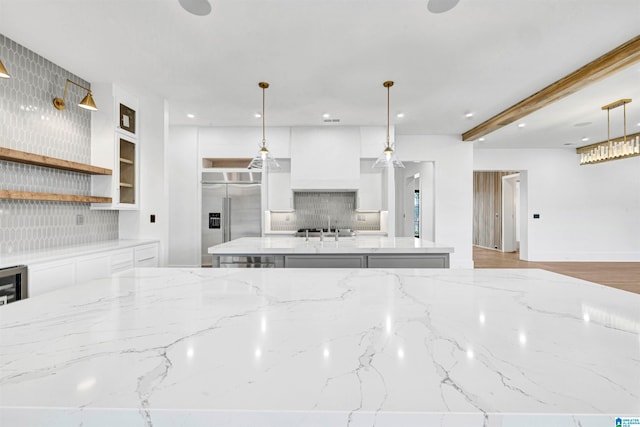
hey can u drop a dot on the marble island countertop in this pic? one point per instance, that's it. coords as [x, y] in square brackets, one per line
[299, 245]
[349, 347]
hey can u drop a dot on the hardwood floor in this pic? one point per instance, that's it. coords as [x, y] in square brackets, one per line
[620, 275]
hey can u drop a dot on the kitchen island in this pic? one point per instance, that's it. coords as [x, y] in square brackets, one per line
[323, 347]
[346, 252]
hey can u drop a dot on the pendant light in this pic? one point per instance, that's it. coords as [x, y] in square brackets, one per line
[388, 157]
[264, 159]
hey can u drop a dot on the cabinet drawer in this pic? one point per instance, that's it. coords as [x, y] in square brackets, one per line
[408, 261]
[315, 261]
[121, 260]
[48, 277]
[146, 256]
[93, 268]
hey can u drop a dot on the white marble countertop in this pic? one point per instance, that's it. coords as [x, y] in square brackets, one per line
[276, 347]
[48, 255]
[358, 244]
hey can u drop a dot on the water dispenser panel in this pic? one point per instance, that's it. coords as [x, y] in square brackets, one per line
[214, 220]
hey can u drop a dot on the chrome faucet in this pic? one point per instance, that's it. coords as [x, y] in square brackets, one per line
[321, 235]
[336, 234]
[306, 235]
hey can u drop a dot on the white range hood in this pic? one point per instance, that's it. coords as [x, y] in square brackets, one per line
[325, 158]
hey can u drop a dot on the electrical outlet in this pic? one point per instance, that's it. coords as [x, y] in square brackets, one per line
[79, 219]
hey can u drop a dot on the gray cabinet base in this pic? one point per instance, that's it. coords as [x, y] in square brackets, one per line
[334, 261]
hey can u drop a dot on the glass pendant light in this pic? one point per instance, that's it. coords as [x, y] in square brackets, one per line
[388, 157]
[264, 159]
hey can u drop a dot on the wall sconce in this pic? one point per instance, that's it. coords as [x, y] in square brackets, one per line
[87, 102]
[3, 71]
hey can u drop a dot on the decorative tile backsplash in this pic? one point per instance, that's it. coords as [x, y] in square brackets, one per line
[29, 122]
[321, 209]
[315, 209]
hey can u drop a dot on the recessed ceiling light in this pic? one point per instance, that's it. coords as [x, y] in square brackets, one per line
[481, 139]
[257, 115]
[468, 115]
[191, 116]
[400, 115]
[585, 139]
[521, 125]
[638, 124]
[326, 115]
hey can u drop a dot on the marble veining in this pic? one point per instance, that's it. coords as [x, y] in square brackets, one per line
[299, 245]
[192, 347]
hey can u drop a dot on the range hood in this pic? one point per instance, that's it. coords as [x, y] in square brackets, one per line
[325, 159]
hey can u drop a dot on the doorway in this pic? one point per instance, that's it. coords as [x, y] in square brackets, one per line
[510, 213]
[415, 200]
[491, 218]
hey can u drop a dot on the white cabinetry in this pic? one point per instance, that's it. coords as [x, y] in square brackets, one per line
[325, 158]
[51, 275]
[279, 190]
[48, 277]
[145, 256]
[92, 267]
[370, 191]
[115, 145]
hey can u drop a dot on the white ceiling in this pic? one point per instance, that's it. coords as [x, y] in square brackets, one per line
[331, 56]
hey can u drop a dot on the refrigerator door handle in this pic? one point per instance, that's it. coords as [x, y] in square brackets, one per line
[225, 219]
[229, 217]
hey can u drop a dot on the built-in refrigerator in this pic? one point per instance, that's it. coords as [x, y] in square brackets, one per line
[231, 208]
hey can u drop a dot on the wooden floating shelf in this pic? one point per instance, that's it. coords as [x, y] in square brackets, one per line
[50, 162]
[52, 197]
[124, 184]
[127, 161]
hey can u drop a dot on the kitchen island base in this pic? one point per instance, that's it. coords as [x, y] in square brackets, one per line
[333, 261]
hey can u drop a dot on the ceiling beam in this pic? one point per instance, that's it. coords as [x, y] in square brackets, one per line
[606, 65]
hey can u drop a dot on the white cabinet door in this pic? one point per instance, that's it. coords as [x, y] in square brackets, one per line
[146, 256]
[280, 195]
[47, 277]
[370, 192]
[121, 260]
[94, 267]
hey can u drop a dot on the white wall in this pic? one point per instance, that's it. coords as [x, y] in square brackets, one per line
[587, 213]
[184, 206]
[153, 200]
[453, 171]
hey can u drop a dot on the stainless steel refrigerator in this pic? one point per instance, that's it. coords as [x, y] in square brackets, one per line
[231, 208]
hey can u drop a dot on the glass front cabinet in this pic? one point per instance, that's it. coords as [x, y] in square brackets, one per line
[115, 145]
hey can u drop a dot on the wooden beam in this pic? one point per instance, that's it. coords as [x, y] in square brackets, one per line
[52, 197]
[611, 62]
[50, 162]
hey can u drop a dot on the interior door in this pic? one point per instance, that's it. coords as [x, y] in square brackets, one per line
[212, 218]
[509, 203]
[245, 210]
